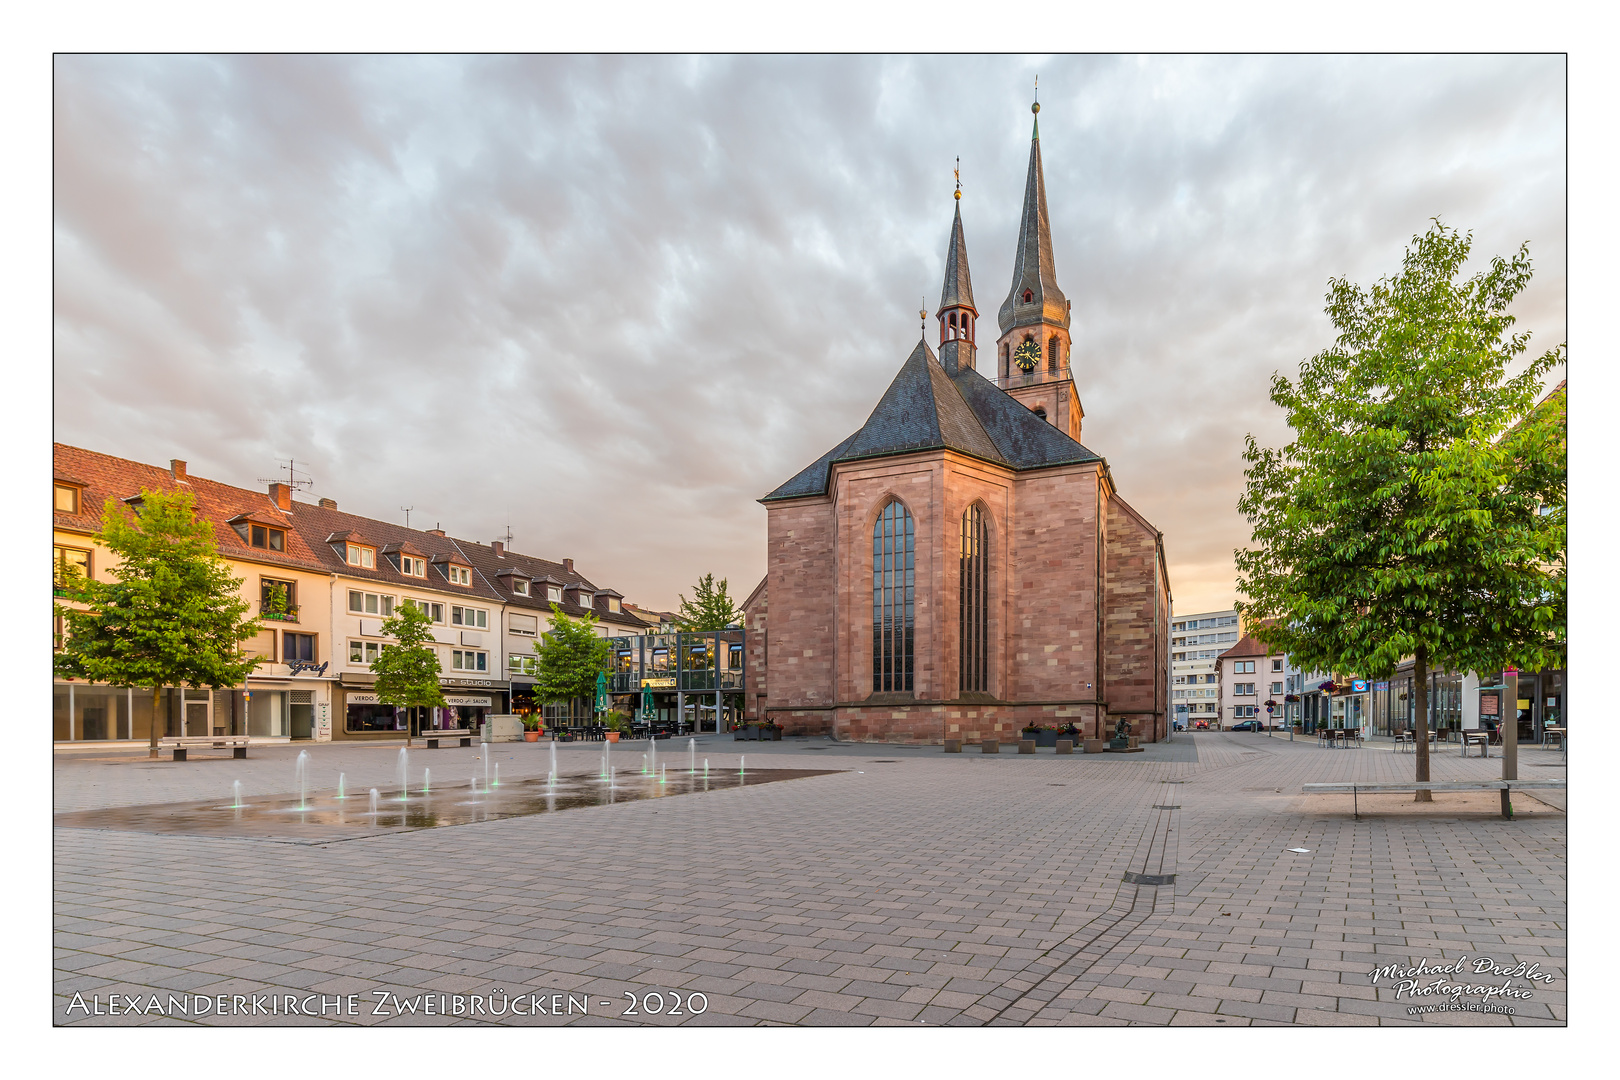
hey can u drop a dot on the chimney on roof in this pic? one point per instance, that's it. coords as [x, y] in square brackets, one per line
[499, 549]
[177, 469]
[435, 532]
[328, 504]
[282, 494]
[568, 565]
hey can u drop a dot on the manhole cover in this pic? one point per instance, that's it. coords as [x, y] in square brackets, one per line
[1132, 878]
[1158, 807]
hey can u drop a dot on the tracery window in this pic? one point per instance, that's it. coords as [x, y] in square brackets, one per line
[894, 596]
[974, 611]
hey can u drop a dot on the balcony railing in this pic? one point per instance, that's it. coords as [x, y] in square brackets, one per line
[1034, 378]
[288, 614]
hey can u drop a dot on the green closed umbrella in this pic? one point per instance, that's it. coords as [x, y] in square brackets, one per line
[646, 705]
[601, 692]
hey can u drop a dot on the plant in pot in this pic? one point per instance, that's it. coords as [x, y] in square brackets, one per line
[616, 724]
[531, 729]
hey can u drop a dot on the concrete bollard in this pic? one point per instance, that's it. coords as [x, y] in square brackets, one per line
[990, 746]
[1096, 746]
[1026, 746]
[953, 746]
[1065, 746]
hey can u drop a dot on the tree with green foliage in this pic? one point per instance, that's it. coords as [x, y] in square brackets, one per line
[571, 654]
[173, 614]
[709, 609]
[1419, 510]
[408, 670]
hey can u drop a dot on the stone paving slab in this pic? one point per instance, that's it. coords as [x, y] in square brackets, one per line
[919, 889]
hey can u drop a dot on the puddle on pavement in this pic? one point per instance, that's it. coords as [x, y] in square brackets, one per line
[324, 817]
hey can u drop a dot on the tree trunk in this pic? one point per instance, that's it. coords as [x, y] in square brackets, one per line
[1420, 725]
[152, 748]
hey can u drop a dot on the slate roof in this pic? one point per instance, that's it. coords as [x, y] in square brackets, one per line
[958, 288]
[926, 408]
[1033, 268]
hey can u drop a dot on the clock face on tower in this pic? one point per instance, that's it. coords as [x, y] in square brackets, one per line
[1026, 356]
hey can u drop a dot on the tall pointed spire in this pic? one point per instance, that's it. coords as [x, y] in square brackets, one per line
[956, 313]
[1034, 275]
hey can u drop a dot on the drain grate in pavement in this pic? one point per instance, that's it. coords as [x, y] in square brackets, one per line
[1158, 807]
[1133, 878]
[884, 761]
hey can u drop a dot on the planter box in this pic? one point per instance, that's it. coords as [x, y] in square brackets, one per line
[953, 746]
[770, 734]
[1046, 738]
[747, 734]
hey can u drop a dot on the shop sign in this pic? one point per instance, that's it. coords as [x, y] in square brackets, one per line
[296, 666]
[450, 699]
[1380, 686]
[657, 684]
[1358, 686]
[1490, 705]
[362, 699]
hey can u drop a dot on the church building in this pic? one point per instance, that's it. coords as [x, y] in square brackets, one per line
[962, 567]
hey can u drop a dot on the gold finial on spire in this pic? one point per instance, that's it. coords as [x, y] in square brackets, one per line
[1035, 108]
[959, 178]
[923, 315]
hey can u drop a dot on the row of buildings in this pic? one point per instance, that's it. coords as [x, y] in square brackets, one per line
[1222, 675]
[320, 582]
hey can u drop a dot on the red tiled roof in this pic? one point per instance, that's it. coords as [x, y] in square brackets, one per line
[1248, 646]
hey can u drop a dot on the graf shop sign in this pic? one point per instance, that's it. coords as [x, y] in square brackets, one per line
[294, 667]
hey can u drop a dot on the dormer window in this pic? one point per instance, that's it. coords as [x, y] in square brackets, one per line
[261, 536]
[362, 556]
[1029, 297]
[585, 600]
[520, 587]
[411, 566]
[458, 575]
[67, 499]
[554, 594]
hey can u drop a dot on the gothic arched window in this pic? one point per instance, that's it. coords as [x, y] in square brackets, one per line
[1053, 347]
[894, 598]
[975, 605]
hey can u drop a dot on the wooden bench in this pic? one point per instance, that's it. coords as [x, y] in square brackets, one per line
[1504, 786]
[464, 734]
[236, 744]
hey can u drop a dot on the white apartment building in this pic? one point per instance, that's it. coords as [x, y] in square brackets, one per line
[1195, 642]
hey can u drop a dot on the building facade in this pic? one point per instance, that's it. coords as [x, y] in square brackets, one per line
[320, 582]
[1196, 641]
[1250, 675]
[962, 566]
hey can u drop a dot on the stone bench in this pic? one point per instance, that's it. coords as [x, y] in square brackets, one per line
[464, 734]
[1355, 788]
[236, 744]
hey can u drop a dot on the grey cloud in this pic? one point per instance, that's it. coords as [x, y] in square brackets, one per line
[619, 298]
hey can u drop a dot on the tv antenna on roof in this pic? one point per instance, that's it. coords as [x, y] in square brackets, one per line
[293, 481]
[507, 539]
[407, 510]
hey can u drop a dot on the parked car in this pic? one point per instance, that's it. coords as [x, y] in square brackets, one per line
[1249, 725]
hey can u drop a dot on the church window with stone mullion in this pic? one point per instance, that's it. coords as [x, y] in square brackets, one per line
[894, 589]
[975, 585]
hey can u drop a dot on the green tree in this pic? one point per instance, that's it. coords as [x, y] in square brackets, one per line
[173, 614]
[1419, 509]
[709, 609]
[408, 670]
[571, 654]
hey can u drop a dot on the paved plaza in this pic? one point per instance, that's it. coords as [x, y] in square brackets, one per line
[909, 887]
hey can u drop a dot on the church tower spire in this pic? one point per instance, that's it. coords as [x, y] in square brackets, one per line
[957, 315]
[1032, 353]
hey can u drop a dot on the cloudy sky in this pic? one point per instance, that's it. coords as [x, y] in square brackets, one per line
[613, 301]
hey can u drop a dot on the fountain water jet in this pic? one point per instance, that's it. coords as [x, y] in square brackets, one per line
[301, 776]
[342, 780]
[652, 753]
[663, 775]
[742, 764]
[404, 772]
[427, 776]
[497, 774]
[374, 804]
[236, 795]
[486, 770]
[553, 761]
[691, 755]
